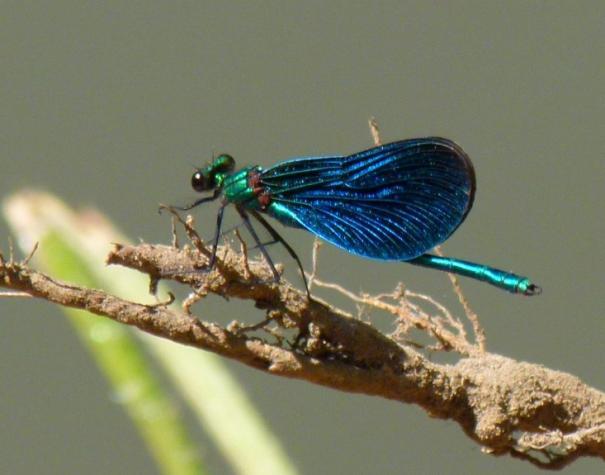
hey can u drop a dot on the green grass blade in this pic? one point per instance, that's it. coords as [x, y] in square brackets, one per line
[121, 359]
[216, 398]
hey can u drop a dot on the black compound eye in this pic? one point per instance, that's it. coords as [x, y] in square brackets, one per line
[201, 182]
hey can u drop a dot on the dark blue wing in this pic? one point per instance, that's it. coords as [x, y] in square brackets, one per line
[392, 202]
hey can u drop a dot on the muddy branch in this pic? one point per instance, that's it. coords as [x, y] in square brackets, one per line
[546, 417]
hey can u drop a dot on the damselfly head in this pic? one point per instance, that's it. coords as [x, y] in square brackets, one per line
[212, 176]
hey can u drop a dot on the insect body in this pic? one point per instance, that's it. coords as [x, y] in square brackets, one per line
[393, 202]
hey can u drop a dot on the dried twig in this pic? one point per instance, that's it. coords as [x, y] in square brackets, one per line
[314, 262]
[470, 314]
[375, 131]
[546, 417]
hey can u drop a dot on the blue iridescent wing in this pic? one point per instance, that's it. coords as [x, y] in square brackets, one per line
[392, 202]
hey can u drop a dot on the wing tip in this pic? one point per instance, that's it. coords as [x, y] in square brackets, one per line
[468, 166]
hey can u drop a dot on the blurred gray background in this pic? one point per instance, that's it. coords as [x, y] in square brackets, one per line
[111, 104]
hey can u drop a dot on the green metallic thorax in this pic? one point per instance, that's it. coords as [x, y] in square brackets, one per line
[237, 190]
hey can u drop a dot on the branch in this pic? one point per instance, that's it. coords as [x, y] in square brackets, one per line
[547, 417]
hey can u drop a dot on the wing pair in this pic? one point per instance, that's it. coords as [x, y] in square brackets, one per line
[392, 202]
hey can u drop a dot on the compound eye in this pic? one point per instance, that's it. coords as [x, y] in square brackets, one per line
[200, 182]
